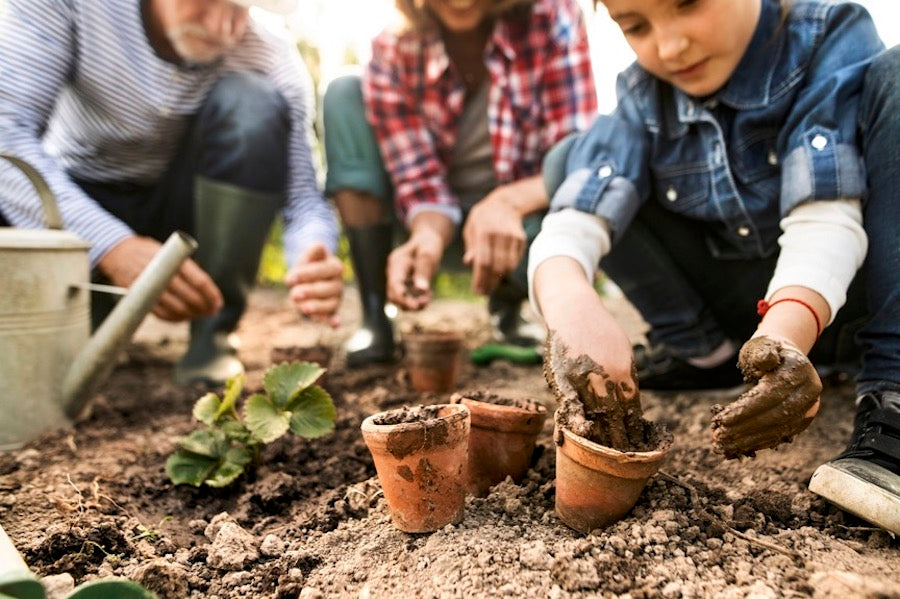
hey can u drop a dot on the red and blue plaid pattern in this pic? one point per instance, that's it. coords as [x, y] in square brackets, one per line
[541, 89]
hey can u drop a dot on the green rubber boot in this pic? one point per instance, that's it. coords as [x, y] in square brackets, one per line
[231, 227]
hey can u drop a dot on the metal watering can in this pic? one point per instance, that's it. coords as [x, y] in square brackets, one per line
[49, 361]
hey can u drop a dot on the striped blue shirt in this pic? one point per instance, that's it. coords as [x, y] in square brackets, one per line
[84, 95]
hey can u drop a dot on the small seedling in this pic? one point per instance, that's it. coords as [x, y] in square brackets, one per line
[217, 454]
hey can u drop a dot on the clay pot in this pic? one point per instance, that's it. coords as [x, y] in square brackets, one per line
[502, 438]
[597, 485]
[433, 359]
[420, 457]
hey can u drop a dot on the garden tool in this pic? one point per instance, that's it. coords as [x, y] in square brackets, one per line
[374, 340]
[50, 362]
[231, 224]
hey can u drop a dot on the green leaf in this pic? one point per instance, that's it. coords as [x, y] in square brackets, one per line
[234, 429]
[284, 381]
[206, 409]
[111, 588]
[207, 442]
[187, 468]
[231, 467]
[232, 392]
[312, 413]
[265, 421]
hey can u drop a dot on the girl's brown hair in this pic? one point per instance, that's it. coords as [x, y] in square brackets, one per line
[418, 17]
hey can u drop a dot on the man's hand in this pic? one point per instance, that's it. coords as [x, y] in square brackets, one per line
[316, 284]
[190, 294]
[494, 240]
[783, 401]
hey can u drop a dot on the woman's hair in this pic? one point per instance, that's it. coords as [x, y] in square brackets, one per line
[418, 17]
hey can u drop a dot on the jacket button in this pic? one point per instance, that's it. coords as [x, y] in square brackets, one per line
[743, 231]
[604, 171]
[671, 194]
[819, 142]
[772, 158]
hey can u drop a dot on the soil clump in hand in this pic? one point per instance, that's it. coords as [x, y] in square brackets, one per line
[595, 407]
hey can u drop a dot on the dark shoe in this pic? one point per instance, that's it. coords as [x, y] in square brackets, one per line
[374, 341]
[659, 369]
[865, 479]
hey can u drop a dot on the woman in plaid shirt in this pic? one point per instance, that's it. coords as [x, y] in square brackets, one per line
[450, 121]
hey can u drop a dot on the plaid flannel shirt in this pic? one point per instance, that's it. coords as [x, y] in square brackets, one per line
[541, 89]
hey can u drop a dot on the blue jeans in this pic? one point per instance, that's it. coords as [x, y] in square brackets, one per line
[694, 301]
[239, 136]
[354, 162]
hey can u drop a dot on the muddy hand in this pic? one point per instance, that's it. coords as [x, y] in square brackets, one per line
[781, 403]
[590, 403]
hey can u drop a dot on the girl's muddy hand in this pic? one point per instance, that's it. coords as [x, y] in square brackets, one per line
[783, 399]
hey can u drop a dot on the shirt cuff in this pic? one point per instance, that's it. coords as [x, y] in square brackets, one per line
[454, 213]
[821, 169]
[579, 235]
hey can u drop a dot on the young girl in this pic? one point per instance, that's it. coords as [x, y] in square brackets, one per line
[752, 156]
[448, 126]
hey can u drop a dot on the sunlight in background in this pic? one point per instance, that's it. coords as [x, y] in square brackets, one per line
[342, 28]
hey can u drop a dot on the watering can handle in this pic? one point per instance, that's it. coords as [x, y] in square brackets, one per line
[51, 210]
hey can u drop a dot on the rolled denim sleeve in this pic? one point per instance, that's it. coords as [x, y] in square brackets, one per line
[821, 159]
[607, 166]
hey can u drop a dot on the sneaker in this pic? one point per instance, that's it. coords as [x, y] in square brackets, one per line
[660, 369]
[865, 479]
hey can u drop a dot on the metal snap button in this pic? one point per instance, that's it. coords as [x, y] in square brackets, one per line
[671, 194]
[743, 231]
[819, 142]
[604, 171]
[772, 158]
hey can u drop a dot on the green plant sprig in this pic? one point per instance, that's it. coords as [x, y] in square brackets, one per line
[217, 454]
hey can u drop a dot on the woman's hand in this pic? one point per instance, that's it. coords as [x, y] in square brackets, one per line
[782, 402]
[316, 284]
[493, 234]
[411, 266]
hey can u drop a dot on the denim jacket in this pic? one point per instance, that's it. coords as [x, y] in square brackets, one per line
[781, 131]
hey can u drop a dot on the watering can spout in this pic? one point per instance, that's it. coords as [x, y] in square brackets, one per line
[95, 361]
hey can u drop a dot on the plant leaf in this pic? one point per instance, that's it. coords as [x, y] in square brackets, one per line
[234, 429]
[206, 442]
[233, 388]
[264, 419]
[188, 468]
[284, 381]
[206, 409]
[231, 467]
[312, 413]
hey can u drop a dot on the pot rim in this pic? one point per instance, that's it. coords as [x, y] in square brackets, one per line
[608, 453]
[453, 414]
[503, 418]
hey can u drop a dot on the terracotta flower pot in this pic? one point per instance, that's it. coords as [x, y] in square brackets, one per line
[502, 438]
[433, 359]
[420, 457]
[597, 485]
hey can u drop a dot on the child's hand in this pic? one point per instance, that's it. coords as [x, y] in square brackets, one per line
[782, 402]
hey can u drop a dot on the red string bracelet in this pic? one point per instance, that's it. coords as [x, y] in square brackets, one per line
[762, 306]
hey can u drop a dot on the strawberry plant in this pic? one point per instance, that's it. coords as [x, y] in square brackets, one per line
[218, 453]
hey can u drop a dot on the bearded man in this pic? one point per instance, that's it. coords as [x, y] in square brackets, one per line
[150, 116]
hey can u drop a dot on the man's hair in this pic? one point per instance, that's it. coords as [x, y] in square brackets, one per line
[418, 17]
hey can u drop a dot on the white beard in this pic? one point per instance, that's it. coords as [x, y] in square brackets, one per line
[194, 44]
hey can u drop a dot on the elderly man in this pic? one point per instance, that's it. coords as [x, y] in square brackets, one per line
[147, 116]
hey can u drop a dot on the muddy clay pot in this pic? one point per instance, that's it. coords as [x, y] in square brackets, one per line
[420, 456]
[433, 359]
[501, 440]
[597, 485]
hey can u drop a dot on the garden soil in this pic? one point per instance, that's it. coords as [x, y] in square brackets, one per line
[310, 521]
